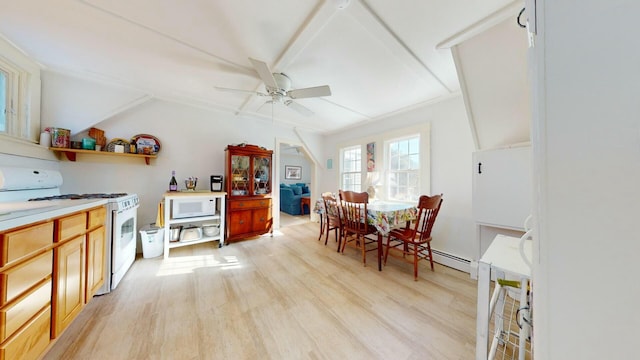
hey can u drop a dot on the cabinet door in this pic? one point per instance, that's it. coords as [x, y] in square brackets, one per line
[502, 187]
[240, 222]
[239, 177]
[261, 175]
[96, 248]
[68, 290]
[261, 220]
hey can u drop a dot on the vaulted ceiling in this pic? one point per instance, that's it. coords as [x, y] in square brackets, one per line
[377, 56]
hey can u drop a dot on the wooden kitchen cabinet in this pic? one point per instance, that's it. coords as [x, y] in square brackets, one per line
[242, 221]
[48, 272]
[96, 248]
[69, 282]
[262, 218]
[25, 290]
[249, 189]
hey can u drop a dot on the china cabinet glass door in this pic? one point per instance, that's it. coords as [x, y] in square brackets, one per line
[240, 175]
[261, 175]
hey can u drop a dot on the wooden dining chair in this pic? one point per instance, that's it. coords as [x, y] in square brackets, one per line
[415, 239]
[355, 224]
[333, 219]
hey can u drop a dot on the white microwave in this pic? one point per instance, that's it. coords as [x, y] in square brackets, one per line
[186, 208]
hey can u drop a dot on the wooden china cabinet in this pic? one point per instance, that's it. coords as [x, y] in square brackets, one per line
[249, 186]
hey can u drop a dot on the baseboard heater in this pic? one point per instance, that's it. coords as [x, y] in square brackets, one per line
[452, 261]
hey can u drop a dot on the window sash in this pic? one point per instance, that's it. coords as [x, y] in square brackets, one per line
[403, 168]
[4, 100]
[351, 166]
[17, 101]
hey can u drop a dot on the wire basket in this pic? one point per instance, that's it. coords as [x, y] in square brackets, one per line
[504, 326]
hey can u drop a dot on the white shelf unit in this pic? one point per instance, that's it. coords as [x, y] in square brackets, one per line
[218, 217]
[502, 260]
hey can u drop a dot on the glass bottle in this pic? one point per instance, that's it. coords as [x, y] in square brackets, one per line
[173, 184]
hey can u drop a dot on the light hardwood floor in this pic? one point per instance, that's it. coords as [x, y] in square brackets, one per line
[281, 297]
[287, 220]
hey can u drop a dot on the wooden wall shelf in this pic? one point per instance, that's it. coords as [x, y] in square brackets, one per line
[71, 154]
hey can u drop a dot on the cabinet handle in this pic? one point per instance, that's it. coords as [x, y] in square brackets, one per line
[479, 168]
[241, 221]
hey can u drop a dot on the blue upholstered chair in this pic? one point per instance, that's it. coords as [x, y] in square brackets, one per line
[290, 198]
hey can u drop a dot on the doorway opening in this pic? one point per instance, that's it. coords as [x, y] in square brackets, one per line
[295, 174]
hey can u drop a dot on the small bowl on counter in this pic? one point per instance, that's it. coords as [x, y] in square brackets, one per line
[211, 229]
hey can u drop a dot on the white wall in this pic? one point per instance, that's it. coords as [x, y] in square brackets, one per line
[587, 166]
[451, 149]
[295, 160]
[91, 102]
[492, 70]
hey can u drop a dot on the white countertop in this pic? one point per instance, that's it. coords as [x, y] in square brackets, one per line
[504, 254]
[19, 213]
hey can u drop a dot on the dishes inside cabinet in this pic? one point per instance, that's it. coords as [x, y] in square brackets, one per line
[111, 146]
[146, 144]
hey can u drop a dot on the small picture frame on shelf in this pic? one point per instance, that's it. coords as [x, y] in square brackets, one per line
[292, 172]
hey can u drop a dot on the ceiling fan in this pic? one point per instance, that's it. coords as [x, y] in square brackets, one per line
[278, 88]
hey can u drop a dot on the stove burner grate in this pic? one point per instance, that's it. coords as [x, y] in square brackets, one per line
[81, 196]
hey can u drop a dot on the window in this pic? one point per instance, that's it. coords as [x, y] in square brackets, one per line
[403, 168]
[19, 94]
[3, 101]
[351, 168]
[13, 121]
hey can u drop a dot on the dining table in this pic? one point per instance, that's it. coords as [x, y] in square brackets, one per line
[386, 215]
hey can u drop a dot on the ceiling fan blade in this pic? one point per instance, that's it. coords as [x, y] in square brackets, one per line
[265, 73]
[240, 91]
[299, 108]
[309, 92]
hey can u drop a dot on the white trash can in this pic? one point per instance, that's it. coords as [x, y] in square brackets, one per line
[152, 238]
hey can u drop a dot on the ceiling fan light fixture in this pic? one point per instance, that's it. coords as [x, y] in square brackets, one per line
[283, 83]
[278, 87]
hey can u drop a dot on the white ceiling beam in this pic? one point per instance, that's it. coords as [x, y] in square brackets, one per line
[483, 24]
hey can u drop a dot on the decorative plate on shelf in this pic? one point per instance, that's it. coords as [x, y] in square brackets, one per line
[146, 144]
[111, 146]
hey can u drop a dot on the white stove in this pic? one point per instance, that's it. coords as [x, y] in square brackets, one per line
[34, 185]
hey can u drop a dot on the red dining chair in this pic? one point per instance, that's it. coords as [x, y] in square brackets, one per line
[415, 240]
[333, 220]
[355, 225]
